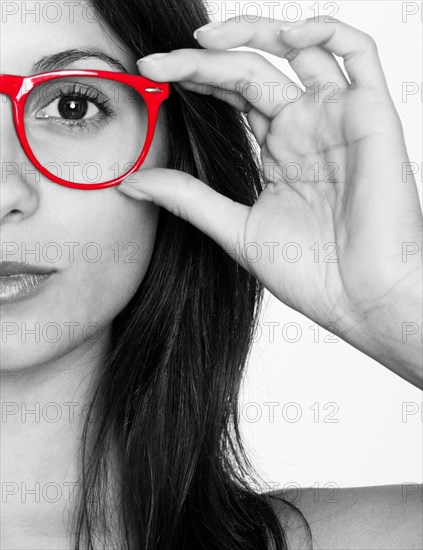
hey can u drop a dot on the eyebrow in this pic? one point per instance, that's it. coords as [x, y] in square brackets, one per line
[60, 60]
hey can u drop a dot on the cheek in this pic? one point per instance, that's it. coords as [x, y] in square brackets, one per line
[106, 242]
[114, 254]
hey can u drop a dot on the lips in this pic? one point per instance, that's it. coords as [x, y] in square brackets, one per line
[19, 281]
[8, 269]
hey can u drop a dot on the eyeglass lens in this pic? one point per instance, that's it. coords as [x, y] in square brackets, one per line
[86, 130]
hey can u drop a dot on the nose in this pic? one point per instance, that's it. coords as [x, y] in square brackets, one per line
[18, 199]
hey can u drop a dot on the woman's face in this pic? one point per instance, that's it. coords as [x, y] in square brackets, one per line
[98, 242]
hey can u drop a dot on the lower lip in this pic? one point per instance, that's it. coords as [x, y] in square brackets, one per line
[14, 288]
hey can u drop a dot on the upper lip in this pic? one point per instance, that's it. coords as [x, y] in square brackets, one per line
[21, 268]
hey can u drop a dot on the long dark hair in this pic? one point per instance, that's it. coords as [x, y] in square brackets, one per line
[165, 405]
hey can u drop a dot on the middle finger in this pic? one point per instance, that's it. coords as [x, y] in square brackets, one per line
[312, 65]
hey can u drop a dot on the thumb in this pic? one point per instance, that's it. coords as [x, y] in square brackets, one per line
[185, 196]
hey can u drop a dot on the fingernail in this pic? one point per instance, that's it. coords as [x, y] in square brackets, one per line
[286, 27]
[151, 57]
[208, 27]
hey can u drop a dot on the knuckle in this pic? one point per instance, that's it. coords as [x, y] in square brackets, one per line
[250, 62]
[188, 183]
[369, 42]
[365, 45]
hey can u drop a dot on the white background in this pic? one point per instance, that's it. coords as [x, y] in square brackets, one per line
[372, 443]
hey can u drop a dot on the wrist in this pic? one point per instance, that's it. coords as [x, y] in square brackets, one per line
[390, 331]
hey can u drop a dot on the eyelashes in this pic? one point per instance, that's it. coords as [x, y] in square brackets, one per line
[69, 106]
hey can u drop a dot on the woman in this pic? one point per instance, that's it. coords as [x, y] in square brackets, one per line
[119, 429]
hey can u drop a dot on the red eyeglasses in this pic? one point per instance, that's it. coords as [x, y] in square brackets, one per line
[85, 129]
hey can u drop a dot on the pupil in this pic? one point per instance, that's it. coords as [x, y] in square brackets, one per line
[72, 108]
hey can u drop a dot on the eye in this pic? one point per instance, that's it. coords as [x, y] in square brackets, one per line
[69, 107]
[73, 106]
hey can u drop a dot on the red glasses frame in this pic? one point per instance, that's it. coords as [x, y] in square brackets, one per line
[18, 89]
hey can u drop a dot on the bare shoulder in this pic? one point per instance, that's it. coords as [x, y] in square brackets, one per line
[294, 523]
[385, 517]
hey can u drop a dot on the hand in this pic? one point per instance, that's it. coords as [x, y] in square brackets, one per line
[333, 158]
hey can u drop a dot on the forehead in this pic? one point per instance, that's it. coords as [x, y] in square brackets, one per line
[31, 30]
